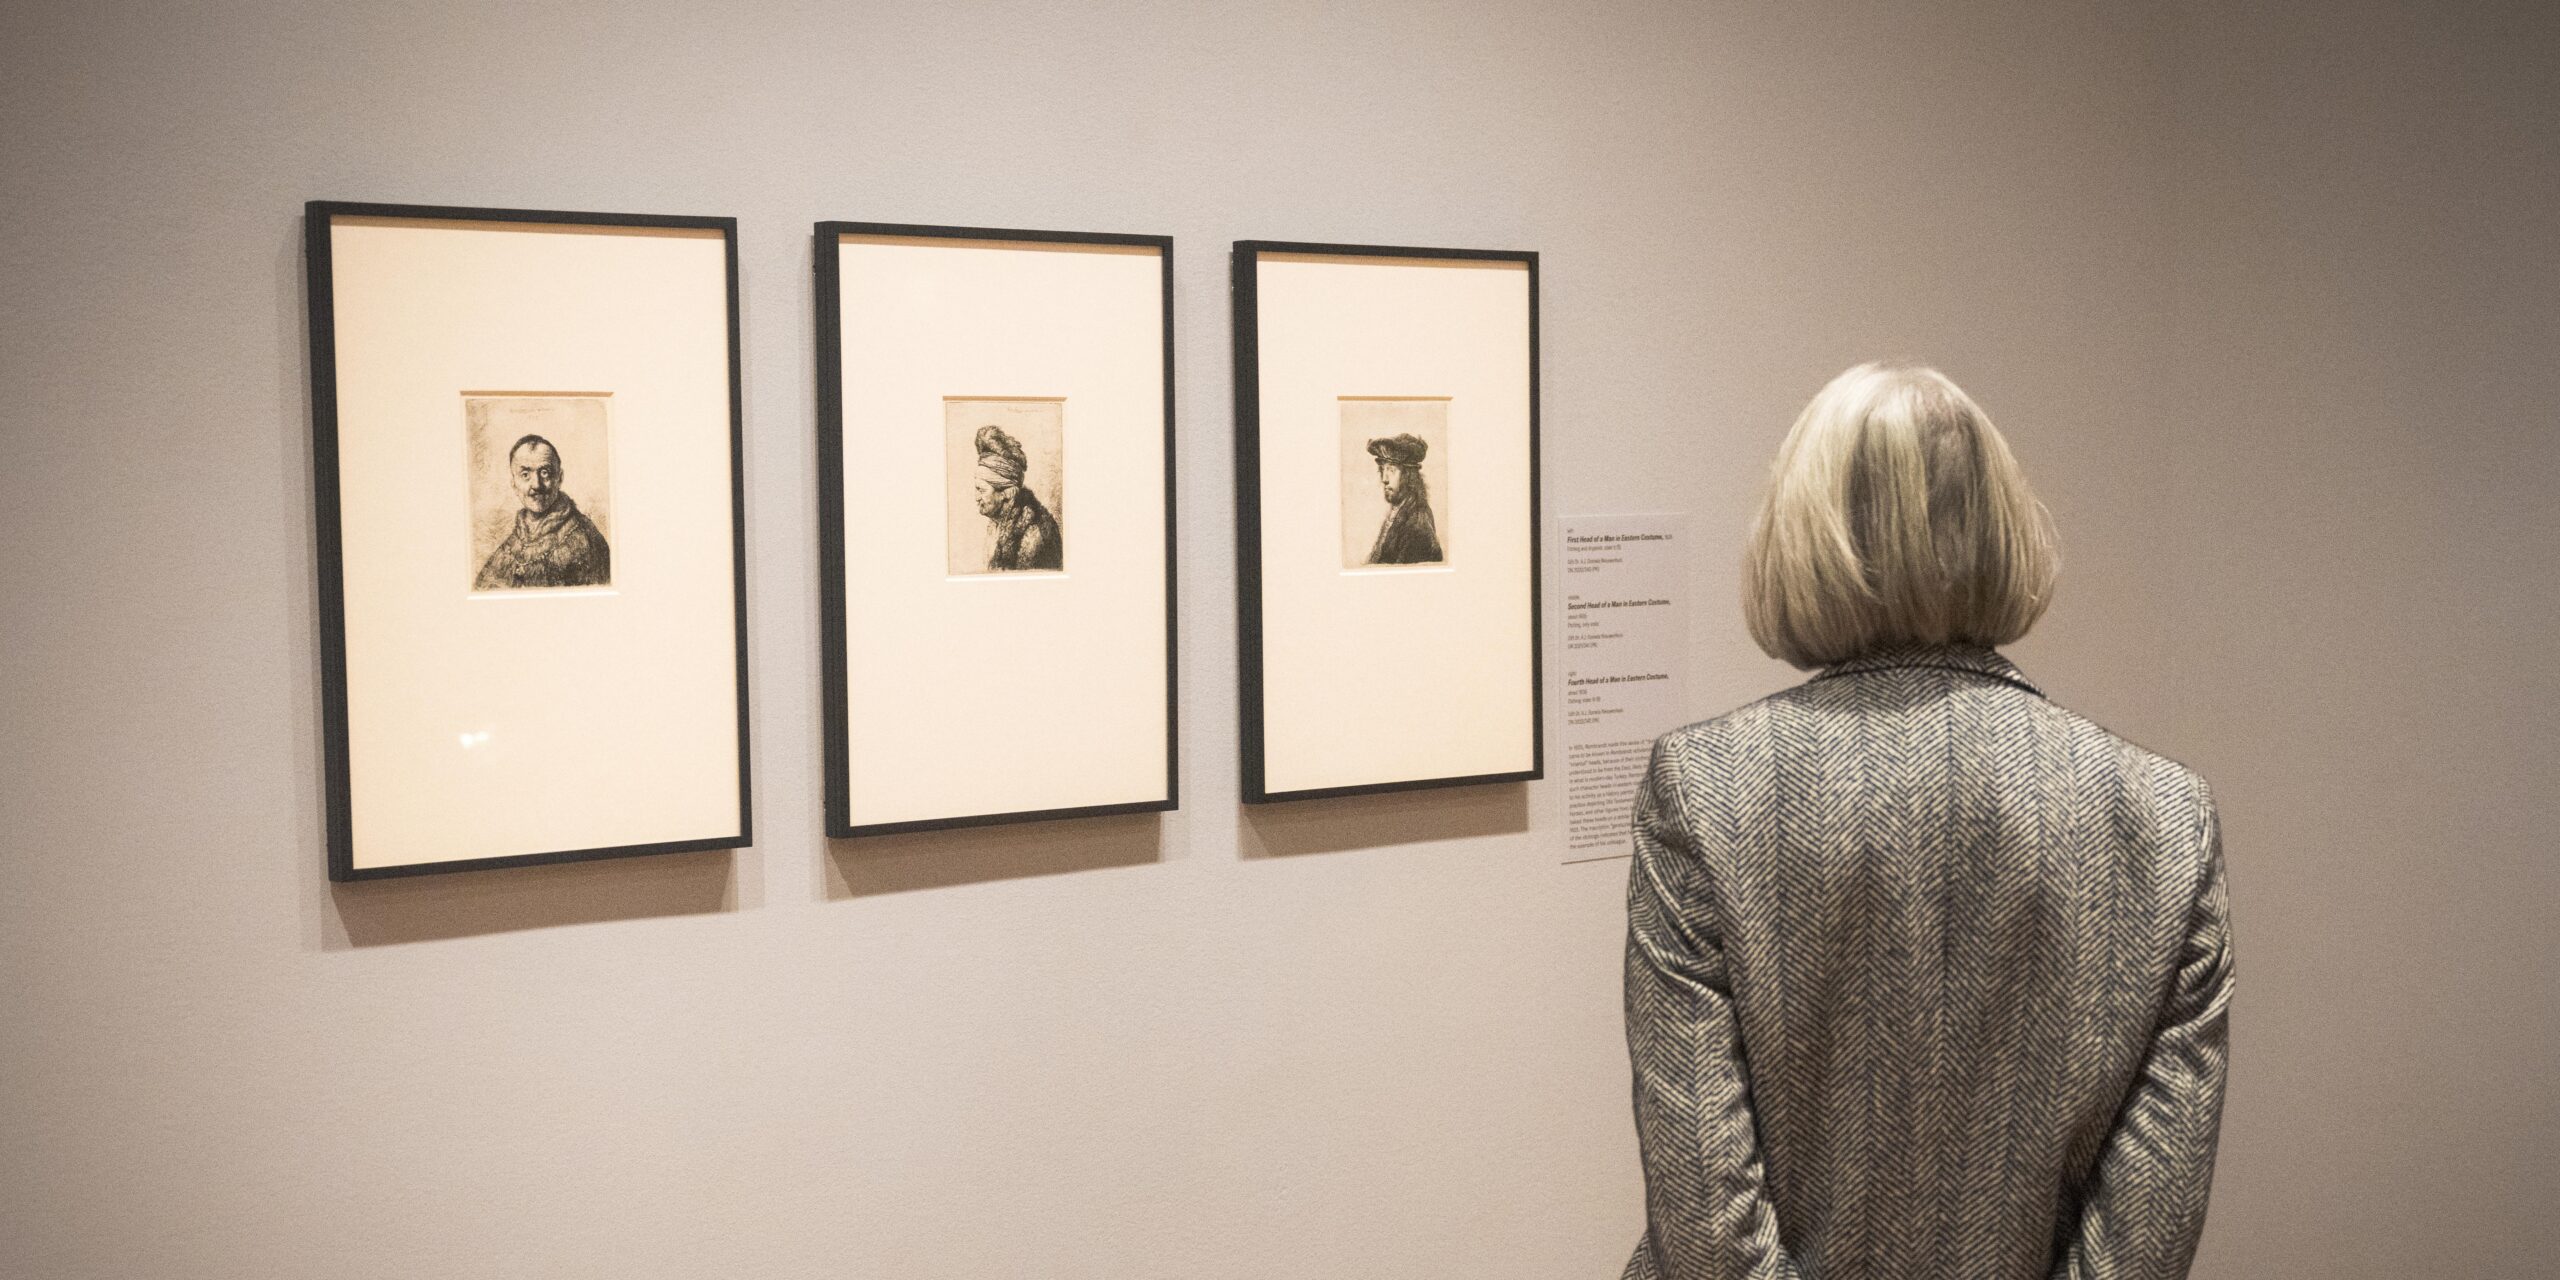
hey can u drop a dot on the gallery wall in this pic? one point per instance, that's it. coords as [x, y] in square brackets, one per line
[2365, 563]
[2257, 335]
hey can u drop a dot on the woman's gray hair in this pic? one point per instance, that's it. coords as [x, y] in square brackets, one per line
[1894, 515]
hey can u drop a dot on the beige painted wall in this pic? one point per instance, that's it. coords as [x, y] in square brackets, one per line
[2267, 333]
[2364, 604]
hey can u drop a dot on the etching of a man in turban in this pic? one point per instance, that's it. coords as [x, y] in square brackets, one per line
[1408, 535]
[1026, 535]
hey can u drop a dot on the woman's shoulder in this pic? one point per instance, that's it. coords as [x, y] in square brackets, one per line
[1736, 729]
[1818, 718]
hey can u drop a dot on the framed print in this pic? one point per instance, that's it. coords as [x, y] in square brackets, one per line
[532, 535]
[1386, 518]
[995, 514]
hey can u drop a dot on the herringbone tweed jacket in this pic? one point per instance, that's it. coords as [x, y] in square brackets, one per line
[1927, 979]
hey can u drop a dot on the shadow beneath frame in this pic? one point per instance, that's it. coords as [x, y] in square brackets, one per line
[427, 908]
[1290, 828]
[866, 866]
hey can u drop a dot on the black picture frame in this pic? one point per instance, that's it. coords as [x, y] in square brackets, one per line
[319, 216]
[833, 605]
[1245, 266]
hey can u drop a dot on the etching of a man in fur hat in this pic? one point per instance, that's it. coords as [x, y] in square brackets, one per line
[1408, 534]
[1025, 534]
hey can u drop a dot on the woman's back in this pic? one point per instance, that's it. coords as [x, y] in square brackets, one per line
[1927, 977]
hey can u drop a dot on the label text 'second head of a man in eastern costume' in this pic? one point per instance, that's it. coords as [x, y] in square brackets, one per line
[1408, 535]
[553, 544]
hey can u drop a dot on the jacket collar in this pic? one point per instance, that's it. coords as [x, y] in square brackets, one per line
[1981, 660]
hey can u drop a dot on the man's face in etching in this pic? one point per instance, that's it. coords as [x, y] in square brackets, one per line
[535, 470]
[1391, 478]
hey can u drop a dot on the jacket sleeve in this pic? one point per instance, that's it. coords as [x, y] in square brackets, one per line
[2142, 1210]
[1708, 1215]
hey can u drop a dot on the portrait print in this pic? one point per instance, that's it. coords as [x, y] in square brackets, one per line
[1395, 481]
[1005, 484]
[541, 507]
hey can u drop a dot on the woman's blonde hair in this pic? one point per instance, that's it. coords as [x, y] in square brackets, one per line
[1894, 515]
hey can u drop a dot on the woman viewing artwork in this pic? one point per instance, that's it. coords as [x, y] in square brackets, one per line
[1974, 949]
